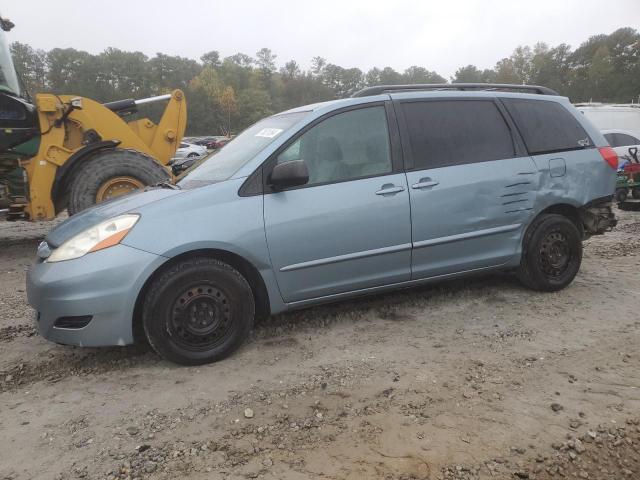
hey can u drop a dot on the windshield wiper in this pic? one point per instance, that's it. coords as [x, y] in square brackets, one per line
[169, 185]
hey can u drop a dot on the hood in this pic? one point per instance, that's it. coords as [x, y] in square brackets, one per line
[94, 215]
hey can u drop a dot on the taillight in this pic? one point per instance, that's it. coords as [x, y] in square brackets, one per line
[609, 155]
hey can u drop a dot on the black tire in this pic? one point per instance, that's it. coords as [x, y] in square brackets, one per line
[100, 168]
[551, 253]
[198, 311]
[621, 194]
[192, 155]
[635, 193]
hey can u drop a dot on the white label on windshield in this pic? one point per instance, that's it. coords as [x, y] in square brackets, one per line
[268, 132]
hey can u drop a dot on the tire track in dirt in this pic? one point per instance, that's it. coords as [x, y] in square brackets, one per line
[78, 362]
[11, 332]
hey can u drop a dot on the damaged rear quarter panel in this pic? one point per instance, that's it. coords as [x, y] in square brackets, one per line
[587, 177]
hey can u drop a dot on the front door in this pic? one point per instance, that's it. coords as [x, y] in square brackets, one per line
[472, 187]
[349, 227]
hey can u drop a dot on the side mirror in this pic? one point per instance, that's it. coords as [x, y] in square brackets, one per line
[289, 174]
[633, 151]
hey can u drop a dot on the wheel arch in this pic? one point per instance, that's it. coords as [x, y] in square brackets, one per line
[241, 264]
[59, 189]
[566, 210]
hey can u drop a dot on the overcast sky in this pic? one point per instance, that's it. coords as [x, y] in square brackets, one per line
[439, 35]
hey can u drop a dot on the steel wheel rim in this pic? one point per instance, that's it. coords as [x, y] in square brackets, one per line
[116, 187]
[555, 254]
[200, 318]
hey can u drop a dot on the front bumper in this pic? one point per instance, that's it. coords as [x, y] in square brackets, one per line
[103, 285]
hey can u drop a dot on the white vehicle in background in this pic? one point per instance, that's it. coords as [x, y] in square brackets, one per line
[613, 116]
[189, 150]
[620, 125]
[625, 144]
[186, 155]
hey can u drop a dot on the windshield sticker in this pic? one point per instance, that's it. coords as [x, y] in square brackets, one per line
[268, 132]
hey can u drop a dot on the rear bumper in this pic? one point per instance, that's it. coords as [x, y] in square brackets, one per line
[597, 216]
[102, 285]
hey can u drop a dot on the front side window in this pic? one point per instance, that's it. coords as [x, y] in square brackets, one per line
[345, 146]
[455, 132]
[547, 126]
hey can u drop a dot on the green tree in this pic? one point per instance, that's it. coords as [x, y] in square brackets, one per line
[472, 74]
[73, 72]
[388, 76]
[211, 59]
[253, 104]
[266, 61]
[317, 66]
[416, 74]
[30, 65]
[603, 68]
[122, 74]
[168, 72]
[291, 69]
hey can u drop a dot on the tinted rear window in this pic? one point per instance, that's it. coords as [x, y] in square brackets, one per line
[454, 132]
[547, 126]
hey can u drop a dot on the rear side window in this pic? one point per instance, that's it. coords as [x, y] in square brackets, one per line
[454, 132]
[546, 126]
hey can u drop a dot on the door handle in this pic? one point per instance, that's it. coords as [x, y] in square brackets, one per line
[389, 189]
[424, 183]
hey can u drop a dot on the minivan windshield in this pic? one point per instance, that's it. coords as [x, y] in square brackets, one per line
[240, 150]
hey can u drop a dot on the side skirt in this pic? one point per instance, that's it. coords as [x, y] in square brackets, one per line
[383, 288]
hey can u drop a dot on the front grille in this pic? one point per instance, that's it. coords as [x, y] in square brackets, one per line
[73, 322]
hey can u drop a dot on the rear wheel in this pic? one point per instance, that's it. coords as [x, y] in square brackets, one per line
[551, 254]
[635, 193]
[192, 155]
[110, 174]
[198, 311]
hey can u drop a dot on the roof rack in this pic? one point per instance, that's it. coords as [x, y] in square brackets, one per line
[378, 89]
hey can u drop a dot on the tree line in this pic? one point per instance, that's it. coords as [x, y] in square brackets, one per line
[227, 94]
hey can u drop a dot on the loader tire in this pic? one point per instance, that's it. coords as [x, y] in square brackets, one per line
[110, 174]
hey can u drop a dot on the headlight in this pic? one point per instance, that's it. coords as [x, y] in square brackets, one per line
[101, 236]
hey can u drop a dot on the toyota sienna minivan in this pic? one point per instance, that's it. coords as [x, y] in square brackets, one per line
[393, 187]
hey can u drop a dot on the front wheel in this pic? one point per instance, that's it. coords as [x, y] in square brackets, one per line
[198, 311]
[551, 253]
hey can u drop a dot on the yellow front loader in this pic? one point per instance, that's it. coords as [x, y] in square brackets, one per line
[69, 152]
[88, 153]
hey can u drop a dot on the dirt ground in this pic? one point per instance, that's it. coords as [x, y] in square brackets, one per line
[473, 379]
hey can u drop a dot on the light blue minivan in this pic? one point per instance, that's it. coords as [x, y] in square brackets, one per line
[396, 186]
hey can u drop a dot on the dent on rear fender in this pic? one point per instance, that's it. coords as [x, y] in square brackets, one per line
[586, 178]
